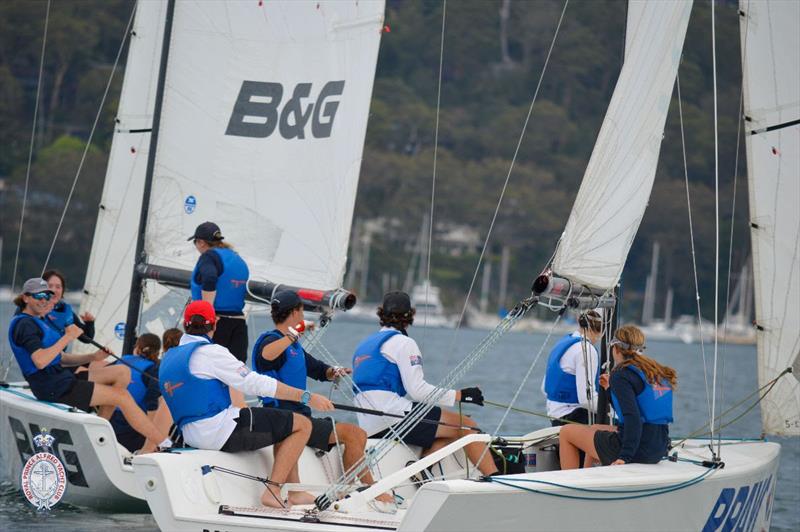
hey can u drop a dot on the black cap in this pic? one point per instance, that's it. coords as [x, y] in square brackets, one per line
[285, 300]
[208, 231]
[396, 302]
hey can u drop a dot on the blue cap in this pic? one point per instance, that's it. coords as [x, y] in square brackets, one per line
[285, 300]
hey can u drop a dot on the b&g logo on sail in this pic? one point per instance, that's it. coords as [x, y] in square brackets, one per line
[258, 112]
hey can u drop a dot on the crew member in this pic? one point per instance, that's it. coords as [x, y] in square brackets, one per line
[641, 392]
[387, 372]
[143, 388]
[220, 277]
[278, 353]
[194, 379]
[570, 381]
[39, 350]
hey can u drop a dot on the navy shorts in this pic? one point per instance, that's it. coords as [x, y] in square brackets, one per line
[257, 428]
[608, 446]
[78, 395]
[423, 434]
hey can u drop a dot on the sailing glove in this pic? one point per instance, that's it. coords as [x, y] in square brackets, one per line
[472, 395]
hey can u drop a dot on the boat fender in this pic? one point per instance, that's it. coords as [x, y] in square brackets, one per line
[210, 485]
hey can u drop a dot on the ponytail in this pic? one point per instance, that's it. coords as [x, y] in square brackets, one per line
[149, 345]
[630, 342]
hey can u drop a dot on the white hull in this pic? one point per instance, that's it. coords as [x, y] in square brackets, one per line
[740, 494]
[97, 475]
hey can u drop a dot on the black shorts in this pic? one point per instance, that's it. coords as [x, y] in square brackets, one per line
[423, 433]
[232, 333]
[259, 427]
[579, 415]
[321, 428]
[78, 395]
[608, 446]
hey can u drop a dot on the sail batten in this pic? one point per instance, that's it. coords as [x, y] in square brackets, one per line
[771, 85]
[619, 177]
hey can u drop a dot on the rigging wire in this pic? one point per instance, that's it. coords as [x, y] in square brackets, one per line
[435, 160]
[91, 135]
[694, 251]
[716, 226]
[6, 361]
[30, 150]
[507, 179]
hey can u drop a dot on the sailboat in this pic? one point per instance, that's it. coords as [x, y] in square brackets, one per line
[213, 48]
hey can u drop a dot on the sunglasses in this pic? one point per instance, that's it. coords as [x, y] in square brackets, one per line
[39, 296]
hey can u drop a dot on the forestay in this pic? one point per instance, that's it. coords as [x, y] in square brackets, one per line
[262, 131]
[771, 70]
[111, 261]
[618, 180]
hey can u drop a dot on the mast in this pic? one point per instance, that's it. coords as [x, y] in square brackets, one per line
[134, 301]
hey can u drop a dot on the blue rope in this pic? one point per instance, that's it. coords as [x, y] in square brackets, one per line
[641, 492]
[26, 396]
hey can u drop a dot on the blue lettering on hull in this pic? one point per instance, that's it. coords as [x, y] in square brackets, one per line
[738, 509]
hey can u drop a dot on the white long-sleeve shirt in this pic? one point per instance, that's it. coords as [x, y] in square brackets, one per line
[573, 363]
[404, 352]
[212, 361]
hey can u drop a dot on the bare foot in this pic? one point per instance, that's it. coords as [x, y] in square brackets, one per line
[300, 497]
[272, 497]
[385, 497]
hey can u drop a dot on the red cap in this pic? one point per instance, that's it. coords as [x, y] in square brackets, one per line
[199, 308]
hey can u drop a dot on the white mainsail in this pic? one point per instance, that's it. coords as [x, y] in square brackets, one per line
[108, 278]
[262, 130]
[771, 71]
[618, 180]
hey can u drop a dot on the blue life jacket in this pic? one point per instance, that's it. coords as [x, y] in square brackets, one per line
[655, 401]
[61, 316]
[560, 386]
[293, 372]
[138, 387]
[371, 370]
[50, 337]
[189, 398]
[231, 284]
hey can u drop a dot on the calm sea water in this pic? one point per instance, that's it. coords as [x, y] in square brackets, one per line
[499, 374]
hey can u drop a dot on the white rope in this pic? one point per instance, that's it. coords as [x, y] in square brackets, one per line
[30, 150]
[91, 135]
[694, 253]
[716, 224]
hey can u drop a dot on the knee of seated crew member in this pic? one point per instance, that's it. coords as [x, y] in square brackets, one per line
[301, 423]
[349, 434]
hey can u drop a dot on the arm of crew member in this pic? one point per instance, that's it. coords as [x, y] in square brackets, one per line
[632, 431]
[208, 271]
[273, 349]
[584, 373]
[414, 381]
[44, 355]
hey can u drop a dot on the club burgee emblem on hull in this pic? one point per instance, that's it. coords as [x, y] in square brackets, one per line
[43, 479]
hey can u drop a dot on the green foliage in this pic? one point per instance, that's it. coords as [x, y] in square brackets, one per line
[485, 99]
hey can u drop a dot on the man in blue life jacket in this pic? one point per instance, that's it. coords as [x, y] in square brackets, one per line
[387, 372]
[39, 350]
[220, 277]
[279, 354]
[194, 378]
[570, 381]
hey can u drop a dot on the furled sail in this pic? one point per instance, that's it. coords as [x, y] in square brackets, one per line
[771, 71]
[111, 261]
[618, 180]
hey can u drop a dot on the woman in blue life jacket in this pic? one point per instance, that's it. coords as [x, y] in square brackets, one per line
[642, 393]
[143, 388]
[62, 313]
[573, 367]
[60, 316]
[220, 277]
[279, 354]
[387, 373]
[39, 351]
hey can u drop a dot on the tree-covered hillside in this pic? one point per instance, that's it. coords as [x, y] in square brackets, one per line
[493, 55]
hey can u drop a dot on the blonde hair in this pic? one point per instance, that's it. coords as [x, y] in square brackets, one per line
[631, 342]
[218, 244]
